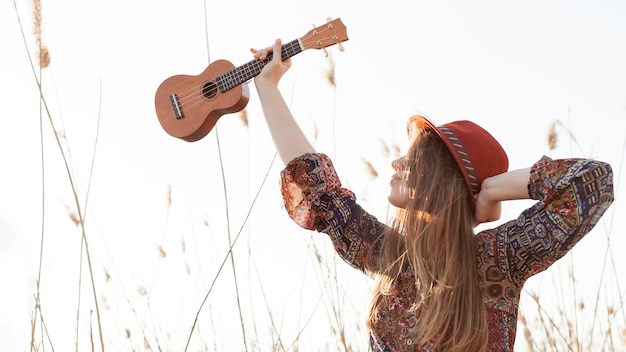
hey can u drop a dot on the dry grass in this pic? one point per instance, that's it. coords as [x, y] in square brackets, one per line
[330, 72]
[43, 55]
[542, 329]
[568, 323]
[370, 169]
[243, 116]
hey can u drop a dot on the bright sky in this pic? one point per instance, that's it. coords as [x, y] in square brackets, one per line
[513, 67]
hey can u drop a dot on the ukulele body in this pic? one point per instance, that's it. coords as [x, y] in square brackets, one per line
[189, 106]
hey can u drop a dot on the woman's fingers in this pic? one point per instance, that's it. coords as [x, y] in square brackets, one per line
[277, 49]
[261, 54]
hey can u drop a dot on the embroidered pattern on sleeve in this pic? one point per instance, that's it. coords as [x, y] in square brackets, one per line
[315, 200]
[572, 195]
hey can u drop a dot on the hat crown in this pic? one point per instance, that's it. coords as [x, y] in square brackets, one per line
[477, 152]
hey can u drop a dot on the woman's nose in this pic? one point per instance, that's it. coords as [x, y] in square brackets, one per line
[399, 164]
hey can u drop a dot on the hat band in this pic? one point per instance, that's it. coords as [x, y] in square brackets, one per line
[463, 159]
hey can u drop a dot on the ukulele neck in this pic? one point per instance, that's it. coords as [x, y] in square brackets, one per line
[251, 69]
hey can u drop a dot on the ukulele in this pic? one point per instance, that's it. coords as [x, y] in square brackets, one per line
[189, 106]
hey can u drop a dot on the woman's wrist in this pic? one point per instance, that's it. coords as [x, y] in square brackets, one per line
[263, 84]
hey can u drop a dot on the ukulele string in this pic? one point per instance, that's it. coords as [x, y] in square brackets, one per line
[194, 95]
[223, 83]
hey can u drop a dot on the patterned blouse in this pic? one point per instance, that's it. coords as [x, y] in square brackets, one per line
[571, 194]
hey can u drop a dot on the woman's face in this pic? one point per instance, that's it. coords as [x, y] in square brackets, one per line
[399, 195]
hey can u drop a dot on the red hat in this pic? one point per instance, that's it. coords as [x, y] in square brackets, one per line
[476, 152]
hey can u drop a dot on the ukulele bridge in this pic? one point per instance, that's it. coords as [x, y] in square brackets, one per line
[178, 111]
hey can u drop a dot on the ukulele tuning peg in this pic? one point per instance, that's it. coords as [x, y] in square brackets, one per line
[329, 20]
[314, 30]
[341, 48]
[325, 52]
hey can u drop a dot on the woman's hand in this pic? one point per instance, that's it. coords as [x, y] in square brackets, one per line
[507, 186]
[486, 209]
[274, 70]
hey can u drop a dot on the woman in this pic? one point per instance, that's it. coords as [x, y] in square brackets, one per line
[440, 287]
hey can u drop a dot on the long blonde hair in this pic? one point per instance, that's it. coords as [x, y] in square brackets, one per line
[433, 238]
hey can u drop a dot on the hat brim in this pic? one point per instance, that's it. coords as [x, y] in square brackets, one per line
[420, 122]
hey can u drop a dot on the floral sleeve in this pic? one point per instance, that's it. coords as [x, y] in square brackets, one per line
[315, 200]
[572, 195]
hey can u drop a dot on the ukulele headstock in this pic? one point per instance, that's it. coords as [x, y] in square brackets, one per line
[331, 33]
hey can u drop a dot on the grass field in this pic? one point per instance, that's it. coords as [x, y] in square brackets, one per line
[197, 253]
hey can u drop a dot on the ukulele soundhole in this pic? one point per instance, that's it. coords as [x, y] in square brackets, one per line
[209, 90]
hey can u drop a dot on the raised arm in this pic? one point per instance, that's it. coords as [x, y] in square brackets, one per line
[571, 196]
[507, 186]
[288, 138]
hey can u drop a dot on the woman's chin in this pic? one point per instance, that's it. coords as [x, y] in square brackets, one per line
[396, 201]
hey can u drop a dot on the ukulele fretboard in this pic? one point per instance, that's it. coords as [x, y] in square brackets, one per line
[251, 69]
